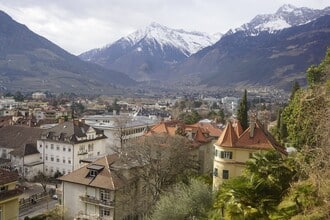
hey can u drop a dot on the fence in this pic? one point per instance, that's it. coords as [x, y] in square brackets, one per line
[25, 203]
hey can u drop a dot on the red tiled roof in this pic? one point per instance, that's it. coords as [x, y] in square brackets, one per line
[254, 137]
[171, 128]
[228, 137]
[210, 128]
[238, 128]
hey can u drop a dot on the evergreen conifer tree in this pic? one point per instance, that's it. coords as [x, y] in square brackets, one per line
[242, 111]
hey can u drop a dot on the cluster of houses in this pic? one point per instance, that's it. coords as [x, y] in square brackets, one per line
[96, 182]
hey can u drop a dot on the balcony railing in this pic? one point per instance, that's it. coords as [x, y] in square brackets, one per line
[95, 201]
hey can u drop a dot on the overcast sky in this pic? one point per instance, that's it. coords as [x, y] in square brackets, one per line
[81, 25]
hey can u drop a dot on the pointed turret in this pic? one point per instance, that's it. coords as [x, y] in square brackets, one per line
[228, 137]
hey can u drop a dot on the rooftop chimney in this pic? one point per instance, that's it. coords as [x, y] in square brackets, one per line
[252, 127]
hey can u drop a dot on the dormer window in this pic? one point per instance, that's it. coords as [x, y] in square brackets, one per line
[93, 173]
[94, 170]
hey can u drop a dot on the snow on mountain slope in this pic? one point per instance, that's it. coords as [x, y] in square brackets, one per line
[187, 42]
[150, 51]
[286, 16]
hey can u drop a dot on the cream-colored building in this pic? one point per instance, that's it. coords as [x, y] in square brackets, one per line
[9, 195]
[105, 189]
[234, 147]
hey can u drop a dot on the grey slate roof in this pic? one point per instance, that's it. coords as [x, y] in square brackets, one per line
[69, 131]
[14, 136]
[29, 149]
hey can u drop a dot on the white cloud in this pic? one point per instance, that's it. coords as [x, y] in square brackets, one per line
[80, 25]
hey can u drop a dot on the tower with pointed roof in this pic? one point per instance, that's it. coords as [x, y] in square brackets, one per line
[234, 147]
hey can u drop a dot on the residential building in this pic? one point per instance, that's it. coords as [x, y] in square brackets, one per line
[63, 146]
[201, 141]
[230, 104]
[18, 149]
[9, 195]
[27, 160]
[105, 189]
[38, 95]
[120, 128]
[234, 147]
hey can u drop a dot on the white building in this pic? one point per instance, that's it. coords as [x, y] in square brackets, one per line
[63, 146]
[230, 104]
[26, 161]
[120, 128]
[8, 103]
[38, 95]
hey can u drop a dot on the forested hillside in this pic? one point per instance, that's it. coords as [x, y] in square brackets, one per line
[273, 186]
[295, 187]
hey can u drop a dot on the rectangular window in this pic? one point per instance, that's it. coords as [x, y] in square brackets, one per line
[63, 160]
[3, 188]
[105, 195]
[215, 172]
[225, 174]
[64, 149]
[57, 147]
[226, 154]
[69, 161]
[40, 146]
[51, 158]
[90, 147]
[216, 152]
[51, 146]
[104, 212]
[58, 160]
[46, 157]
[69, 149]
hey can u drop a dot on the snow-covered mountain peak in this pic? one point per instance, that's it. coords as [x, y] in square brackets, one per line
[185, 41]
[286, 16]
[286, 8]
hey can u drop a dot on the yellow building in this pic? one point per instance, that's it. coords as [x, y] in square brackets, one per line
[9, 195]
[235, 147]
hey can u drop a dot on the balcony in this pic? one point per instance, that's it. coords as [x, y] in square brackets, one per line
[92, 200]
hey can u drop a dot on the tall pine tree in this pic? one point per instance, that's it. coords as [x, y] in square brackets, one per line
[294, 89]
[242, 111]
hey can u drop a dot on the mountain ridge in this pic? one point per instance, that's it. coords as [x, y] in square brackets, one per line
[149, 52]
[264, 59]
[31, 62]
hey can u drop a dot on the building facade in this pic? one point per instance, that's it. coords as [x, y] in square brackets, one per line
[64, 146]
[105, 189]
[234, 147]
[120, 128]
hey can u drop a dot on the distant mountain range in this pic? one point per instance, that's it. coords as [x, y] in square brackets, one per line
[285, 17]
[29, 62]
[151, 52]
[272, 49]
[275, 59]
